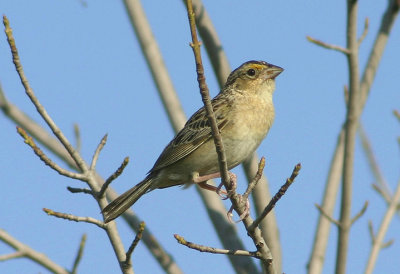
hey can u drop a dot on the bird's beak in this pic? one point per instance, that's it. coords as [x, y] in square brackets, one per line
[273, 71]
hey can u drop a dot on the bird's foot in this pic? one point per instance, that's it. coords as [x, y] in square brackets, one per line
[233, 181]
[201, 181]
[245, 213]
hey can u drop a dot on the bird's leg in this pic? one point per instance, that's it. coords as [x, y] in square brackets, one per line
[201, 181]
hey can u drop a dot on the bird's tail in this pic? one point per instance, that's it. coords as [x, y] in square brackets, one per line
[126, 200]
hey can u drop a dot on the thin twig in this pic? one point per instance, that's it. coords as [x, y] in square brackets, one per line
[90, 175]
[208, 249]
[113, 176]
[78, 138]
[97, 152]
[30, 253]
[385, 196]
[373, 163]
[377, 243]
[135, 242]
[79, 254]
[375, 56]
[326, 45]
[371, 231]
[277, 196]
[360, 213]
[365, 31]
[79, 190]
[211, 42]
[260, 197]
[380, 191]
[256, 178]
[326, 215]
[30, 142]
[14, 255]
[41, 110]
[74, 218]
[387, 244]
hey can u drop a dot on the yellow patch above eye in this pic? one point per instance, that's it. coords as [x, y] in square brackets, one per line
[257, 66]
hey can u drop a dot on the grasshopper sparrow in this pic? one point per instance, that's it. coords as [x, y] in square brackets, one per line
[244, 112]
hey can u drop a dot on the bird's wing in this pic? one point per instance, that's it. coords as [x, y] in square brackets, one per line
[196, 131]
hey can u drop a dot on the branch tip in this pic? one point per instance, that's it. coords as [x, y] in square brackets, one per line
[138, 237]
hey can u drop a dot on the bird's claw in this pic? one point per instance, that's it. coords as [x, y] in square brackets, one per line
[245, 213]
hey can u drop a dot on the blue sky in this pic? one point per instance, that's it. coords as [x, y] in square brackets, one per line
[85, 66]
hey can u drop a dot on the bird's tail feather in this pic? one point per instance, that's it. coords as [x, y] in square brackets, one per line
[126, 200]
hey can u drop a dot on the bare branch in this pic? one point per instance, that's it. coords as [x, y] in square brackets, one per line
[78, 139]
[387, 244]
[132, 247]
[203, 248]
[30, 253]
[113, 176]
[377, 243]
[350, 131]
[371, 231]
[97, 152]
[387, 21]
[376, 171]
[41, 110]
[326, 215]
[11, 256]
[79, 254]
[385, 196]
[212, 43]
[260, 197]
[365, 31]
[74, 218]
[277, 196]
[256, 178]
[79, 190]
[380, 191]
[30, 142]
[327, 46]
[223, 166]
[39, 133]
[359, 214]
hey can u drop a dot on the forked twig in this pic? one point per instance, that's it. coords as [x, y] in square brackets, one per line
[277, 196]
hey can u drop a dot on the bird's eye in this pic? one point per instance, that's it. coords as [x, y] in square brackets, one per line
[251, 72]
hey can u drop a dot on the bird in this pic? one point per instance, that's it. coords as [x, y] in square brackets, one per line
[244, 113]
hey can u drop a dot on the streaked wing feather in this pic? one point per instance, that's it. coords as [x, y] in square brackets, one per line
[196, 132]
